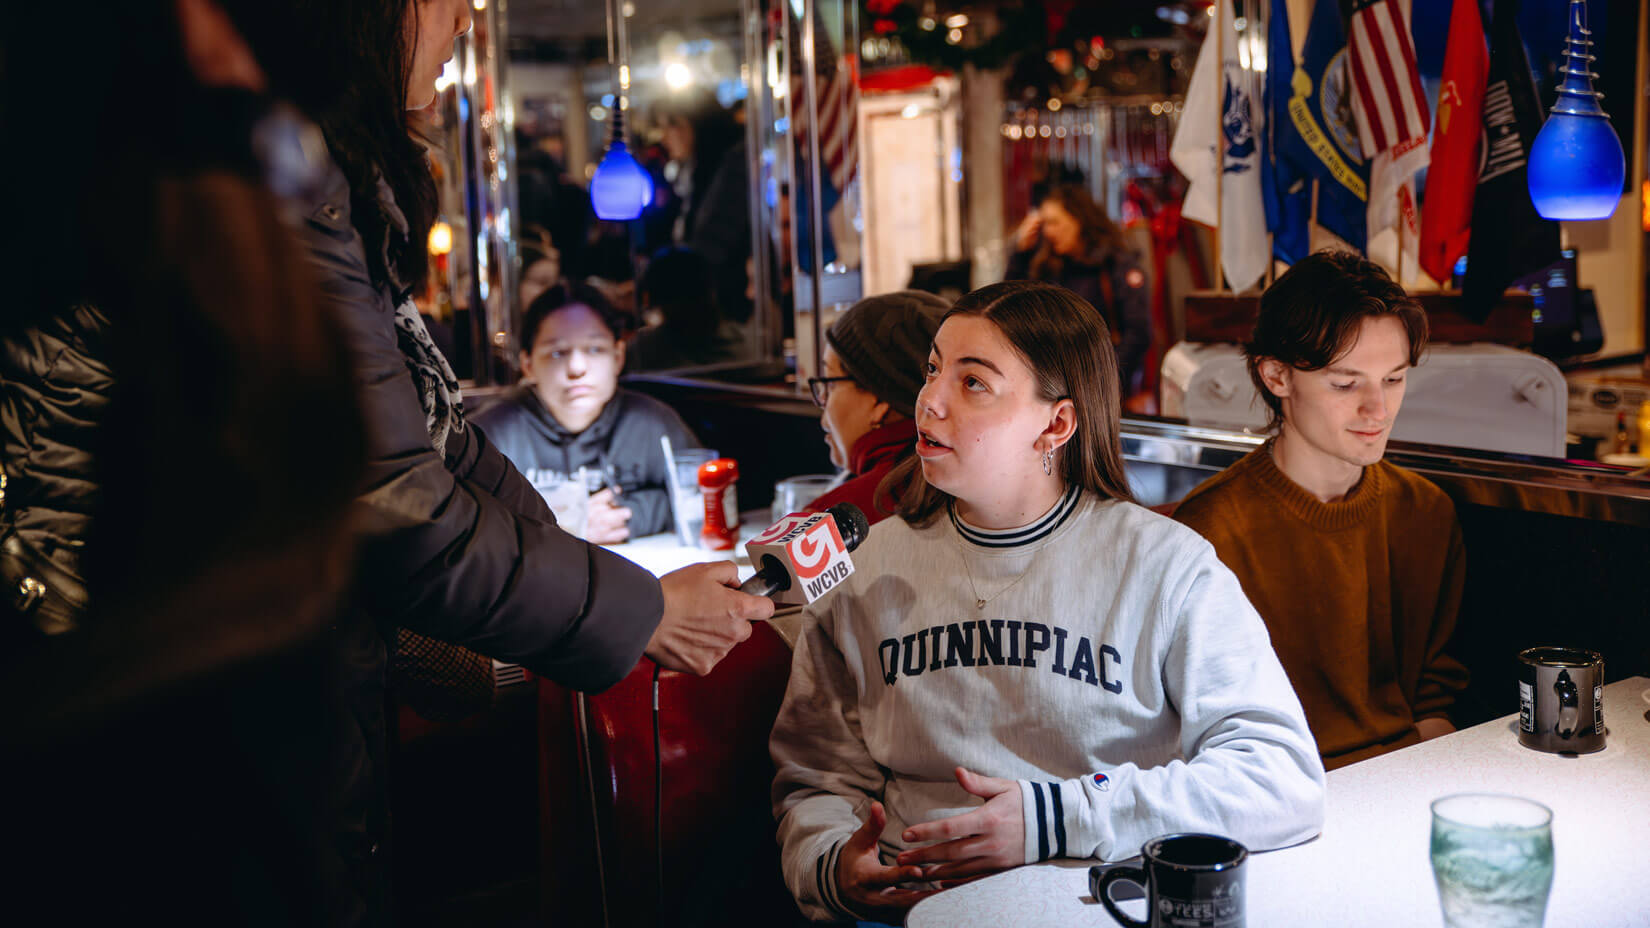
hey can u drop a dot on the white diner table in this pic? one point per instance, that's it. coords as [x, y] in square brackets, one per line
[663, 552]
[1371, 865]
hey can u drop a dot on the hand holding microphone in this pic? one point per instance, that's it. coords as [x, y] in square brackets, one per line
[798, 559]
[804, 555]
[705, 616]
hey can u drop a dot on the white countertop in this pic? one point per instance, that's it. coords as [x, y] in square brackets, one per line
[662, 553]
[1371, 865]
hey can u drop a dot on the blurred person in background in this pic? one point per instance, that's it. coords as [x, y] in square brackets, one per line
[179, 443]
[678, 291]
[875, 355]
[569, 412]
[540, 267]
[457, 545]
[551, 202]
[708, 172]
[1069, 240]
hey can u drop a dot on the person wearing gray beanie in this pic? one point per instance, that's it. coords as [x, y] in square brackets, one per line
[874, 357]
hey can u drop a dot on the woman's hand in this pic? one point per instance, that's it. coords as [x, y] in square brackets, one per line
[606, 523]
[1026, 235]
[869, 888]
[974, 844]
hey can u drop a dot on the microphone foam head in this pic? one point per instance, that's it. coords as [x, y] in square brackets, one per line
[850, 523]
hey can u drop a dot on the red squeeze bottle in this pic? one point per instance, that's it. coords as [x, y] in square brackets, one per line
[716, 481]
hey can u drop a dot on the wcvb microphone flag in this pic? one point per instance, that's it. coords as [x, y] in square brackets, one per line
[812, 551]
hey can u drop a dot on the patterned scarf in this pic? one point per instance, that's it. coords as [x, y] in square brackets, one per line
[438, 390]
[438, 680]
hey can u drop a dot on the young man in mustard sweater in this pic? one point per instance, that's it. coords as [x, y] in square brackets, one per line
[1355, 564]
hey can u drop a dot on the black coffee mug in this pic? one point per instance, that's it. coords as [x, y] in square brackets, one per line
[1561, 700]
[1190, 880]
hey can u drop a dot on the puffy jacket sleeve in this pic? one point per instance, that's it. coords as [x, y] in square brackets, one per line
[464, 550]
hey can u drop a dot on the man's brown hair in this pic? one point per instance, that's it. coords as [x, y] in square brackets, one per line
[1311, 315]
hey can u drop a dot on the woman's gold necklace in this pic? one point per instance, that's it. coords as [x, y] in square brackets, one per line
[979, 603]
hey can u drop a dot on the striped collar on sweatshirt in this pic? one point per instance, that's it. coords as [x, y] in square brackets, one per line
[1039, 529]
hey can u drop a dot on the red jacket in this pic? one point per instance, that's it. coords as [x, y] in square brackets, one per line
[870, 460]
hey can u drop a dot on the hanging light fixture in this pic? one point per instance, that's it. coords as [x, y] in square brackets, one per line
[1576, 164]
[621, 187]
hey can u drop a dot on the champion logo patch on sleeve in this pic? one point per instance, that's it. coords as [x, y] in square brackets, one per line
[1102, 782]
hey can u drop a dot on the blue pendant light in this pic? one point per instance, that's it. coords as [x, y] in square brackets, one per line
[621, 187]
[1576, 164]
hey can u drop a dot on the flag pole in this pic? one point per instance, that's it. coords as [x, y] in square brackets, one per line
[1398, 195]
[1220, 145]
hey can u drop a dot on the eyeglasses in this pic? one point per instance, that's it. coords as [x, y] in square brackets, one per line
[820, 387]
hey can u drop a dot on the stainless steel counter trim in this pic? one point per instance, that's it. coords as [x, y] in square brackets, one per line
[1568, 488]
[1577, 489]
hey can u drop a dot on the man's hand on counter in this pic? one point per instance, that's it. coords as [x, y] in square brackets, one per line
[705, 616]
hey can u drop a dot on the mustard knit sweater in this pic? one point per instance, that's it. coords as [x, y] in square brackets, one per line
[1360, 595]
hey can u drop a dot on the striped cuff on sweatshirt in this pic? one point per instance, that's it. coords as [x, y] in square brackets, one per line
[1044, 808]
[825, 887]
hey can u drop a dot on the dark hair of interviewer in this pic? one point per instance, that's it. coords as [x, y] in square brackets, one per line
[1312, 314]
[1065, 343]
[346, 63]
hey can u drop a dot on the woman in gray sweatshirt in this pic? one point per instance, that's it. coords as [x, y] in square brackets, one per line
[1026, 664]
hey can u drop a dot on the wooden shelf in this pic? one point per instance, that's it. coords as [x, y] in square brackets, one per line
[1212, 316]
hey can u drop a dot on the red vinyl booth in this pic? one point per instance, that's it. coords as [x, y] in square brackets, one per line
[603, 845]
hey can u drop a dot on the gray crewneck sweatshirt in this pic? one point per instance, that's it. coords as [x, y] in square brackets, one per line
[1116, 670]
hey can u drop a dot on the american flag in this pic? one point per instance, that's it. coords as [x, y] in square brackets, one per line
[838, 91]
[1390, 106]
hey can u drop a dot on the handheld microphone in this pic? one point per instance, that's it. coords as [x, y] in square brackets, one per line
[804, 555]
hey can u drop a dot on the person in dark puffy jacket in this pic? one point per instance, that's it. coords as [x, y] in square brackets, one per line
[570, 413]
[1069, 240]
[175, 552]
[456, 544]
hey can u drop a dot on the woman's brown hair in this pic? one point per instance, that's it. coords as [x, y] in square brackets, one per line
[1312, 314]
[1064, 342]
[1097, 228]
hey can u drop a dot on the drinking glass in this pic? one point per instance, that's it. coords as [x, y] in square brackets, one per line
[1492, 857]
[688, 506]
[566, 496]
[792, 493]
